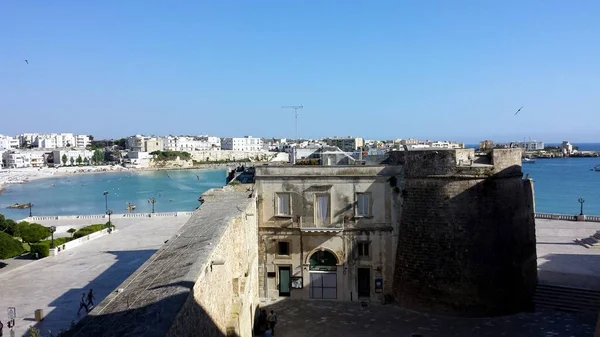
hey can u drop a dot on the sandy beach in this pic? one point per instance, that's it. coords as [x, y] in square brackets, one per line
[24, 175]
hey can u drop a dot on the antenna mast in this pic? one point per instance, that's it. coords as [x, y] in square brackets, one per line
[295, 107]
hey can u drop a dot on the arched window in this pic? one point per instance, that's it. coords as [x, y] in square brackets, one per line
[323, 258]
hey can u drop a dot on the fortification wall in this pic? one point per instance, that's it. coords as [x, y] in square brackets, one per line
[466, 243]
[202, 282]
[230, 155]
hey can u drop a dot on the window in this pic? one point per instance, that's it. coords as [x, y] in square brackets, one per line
[363, 204]
[363, 249]
[283, 248]
[283, 204]
[322, 207]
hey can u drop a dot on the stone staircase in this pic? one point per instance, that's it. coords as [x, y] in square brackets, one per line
[551, 297]
[592, 241]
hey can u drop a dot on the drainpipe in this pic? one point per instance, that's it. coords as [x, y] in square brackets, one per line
[265, 268]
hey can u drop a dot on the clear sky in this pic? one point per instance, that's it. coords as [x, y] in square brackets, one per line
[378, 69]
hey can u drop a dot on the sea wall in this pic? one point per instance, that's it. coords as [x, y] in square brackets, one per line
[202, 282]
[466, 243]
[230, 155]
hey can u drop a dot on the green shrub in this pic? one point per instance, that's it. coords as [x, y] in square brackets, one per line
[57, 241]
[42, 249]
[33, 232]
[9, 247]
[9, 227]
[87, 230]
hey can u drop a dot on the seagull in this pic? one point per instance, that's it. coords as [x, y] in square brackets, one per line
[518, 111]
[26, 61]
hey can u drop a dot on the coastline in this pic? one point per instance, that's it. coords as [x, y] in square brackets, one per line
[24, 175]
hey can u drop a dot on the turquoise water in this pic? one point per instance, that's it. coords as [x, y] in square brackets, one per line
[559, 182]
[83, 194]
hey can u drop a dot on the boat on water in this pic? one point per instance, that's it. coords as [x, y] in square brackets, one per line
[528, 160]
[597, 168]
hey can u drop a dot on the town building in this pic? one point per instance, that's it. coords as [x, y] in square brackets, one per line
[20, 159]
[139, 143]
[532, 145]
[486, 145]
[325, 232]
[186, 143]
[8, 142]
[71, 157]
[246, 144]
[349, 144]
[566, 148]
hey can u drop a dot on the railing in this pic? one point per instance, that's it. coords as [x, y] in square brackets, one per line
[567, 217]
[104, 216]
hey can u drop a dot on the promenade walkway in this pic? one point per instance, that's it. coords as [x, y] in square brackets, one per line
[563, 262]
[55, 284]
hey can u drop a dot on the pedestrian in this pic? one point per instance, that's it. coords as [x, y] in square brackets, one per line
[90, 297]
[82, 304]
[272, 319]
[262, 320]
[1, 328]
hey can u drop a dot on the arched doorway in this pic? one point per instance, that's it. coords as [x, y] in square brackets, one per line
[323, 275]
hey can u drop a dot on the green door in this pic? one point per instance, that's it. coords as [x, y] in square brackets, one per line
[285, 281]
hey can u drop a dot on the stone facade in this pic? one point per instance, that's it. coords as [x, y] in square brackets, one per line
[467, 241]
[202, 282]
[360, 238]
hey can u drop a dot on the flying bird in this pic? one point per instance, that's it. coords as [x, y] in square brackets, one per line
[518, 111]
[26, 61]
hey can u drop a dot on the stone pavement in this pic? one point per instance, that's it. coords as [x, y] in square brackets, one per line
[349, 319]
[560, 260]
[55, 284]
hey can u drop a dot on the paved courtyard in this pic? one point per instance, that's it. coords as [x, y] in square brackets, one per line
[55, 284]
[350, 319]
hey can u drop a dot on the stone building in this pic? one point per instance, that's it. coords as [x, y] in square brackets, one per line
[326, 232]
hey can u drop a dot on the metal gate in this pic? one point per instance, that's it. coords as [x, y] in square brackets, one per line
[323, 285]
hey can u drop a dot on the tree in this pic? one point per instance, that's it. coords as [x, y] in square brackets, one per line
[71, 231]
[79, 160]
[10, 227]
[33, 232]
[98, 157]
[86, 161]
[91, 137]
[72, 161]
[64, 159]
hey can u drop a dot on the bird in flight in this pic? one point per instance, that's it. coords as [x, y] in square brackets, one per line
[518, 111]
[26, 61]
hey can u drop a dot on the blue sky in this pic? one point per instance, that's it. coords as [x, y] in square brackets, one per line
[377, 69]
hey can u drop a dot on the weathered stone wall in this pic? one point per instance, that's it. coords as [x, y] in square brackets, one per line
[230, 155]
[466, 243]
[202, 282]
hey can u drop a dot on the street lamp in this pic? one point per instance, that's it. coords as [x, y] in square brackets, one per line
[106, 199]
[109, 212]
[52, 230]
[152, 201]
[30, 206]
[581, 201]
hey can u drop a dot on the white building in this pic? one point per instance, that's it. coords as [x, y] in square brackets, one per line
[245, 144]
[86, 157]
[446, 145]
[53, 140]
[187, 144]
[20, 159]
[566, 148]
[82, 141]
[27, 139]
[8, 142]
[532, 145]
[215, 142]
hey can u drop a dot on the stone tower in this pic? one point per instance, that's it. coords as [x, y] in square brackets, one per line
[466, 244]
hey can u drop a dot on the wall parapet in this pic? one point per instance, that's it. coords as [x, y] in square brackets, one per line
[198, 283]
[567, 217]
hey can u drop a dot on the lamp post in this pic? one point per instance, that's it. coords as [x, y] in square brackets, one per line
[30, 206]
[109, 212]
[52, 230]
[581, 201]
[153, 201]
[106, 200]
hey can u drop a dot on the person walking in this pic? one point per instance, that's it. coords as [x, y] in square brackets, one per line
[90, 297]
[82, 304]
[272, 319]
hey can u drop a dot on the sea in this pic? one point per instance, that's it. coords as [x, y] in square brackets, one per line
[173, 190]
[558, 185]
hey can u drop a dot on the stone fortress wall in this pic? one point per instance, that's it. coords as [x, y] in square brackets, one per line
[466, 243]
